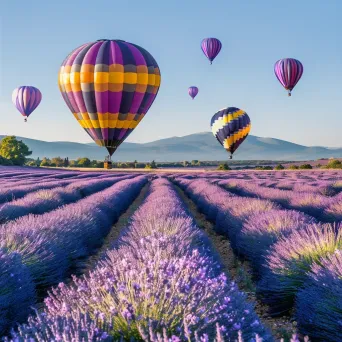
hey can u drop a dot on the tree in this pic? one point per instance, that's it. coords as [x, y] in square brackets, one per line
[135, 164]
[38, 162]
[45, 162]
[194, 162]
[66, 162]
[223, 167]
[153, 165]
[58, 161]
[14, 150]
[83, 162]
[279, 167]
[293, 167]
[334, 164]
[4, 161]
[185, 163]
[305, 166]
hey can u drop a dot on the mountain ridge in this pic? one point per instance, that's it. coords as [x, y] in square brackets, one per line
[199, 146]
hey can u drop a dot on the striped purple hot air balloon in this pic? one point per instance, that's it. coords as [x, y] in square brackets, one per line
[288, 72]
[211, 48]
[193, 91]
[109, 86]
[26, 99]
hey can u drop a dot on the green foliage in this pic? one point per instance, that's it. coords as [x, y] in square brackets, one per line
[57, 161]
[83, 162]
[279, 167]
[334, 164]
[294, 167]
[148, 166]
[14, 150]
[151, 165]
[6, 162]
[305, 167]
[223, 167]
[66, 162]
[45, 162]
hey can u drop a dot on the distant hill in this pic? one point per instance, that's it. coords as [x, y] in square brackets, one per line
[200, 146]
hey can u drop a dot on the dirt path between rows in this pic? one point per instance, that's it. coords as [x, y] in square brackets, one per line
[239, 271]
[83, 266]
[114, 233]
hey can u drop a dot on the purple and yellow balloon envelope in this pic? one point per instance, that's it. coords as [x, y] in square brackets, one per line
[109, 86]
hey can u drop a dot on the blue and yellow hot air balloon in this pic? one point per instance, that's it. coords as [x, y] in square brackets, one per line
[231, 127]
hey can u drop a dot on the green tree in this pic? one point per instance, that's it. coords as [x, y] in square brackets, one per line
[305, 167]
[14, 150]
[66, 162]
[38, 162]
[223, 167]
[153, 165]
[194, 162]
[83, 162]
[58, 161]
[45, 162]
[279, 167]
[334, 164]
[293, 167]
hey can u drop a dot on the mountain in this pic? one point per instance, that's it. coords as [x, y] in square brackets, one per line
[200, 146]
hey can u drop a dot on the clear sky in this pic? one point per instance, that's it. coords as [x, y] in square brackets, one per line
[37, 35]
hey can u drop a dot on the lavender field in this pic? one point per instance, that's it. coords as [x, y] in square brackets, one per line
[162, 256]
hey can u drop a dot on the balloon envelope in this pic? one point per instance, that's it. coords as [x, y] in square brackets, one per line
[288, 71]
[193, 91]
[109, 85]
[231, 127]
[211, 48]
[26, 99]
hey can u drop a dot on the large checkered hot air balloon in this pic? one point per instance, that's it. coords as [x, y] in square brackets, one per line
[109, 85]
[288, 72]
[26, 99]
[231, 127]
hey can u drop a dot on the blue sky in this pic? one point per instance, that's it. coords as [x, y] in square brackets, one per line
[37, 35]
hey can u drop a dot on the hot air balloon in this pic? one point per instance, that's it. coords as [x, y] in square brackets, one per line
[230, 126]
[26, 99]
[193, 91]
[288, 71]
[211, 48]
[109, 85]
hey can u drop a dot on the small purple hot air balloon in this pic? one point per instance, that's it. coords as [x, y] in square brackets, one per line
[26, 99]
[193, 91]
[211, 48]
[288, 72]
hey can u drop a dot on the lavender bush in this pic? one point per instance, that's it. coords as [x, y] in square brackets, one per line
[160, 276]
[319, 303]
[16, 289]
[291, 258]
[262, 230]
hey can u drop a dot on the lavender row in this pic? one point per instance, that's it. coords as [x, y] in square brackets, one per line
[323, 208]
[49, 244]
[43, 201]
[282, 245]
[159, 279]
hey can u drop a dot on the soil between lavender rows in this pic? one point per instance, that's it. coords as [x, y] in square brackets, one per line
[239, 271]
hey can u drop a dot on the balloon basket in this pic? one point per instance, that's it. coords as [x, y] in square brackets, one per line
[108, 165]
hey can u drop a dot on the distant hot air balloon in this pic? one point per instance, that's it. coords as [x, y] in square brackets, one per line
[230, 126]
[26, 99]
[211, 48]
[109, 85]
[288, 71]
[193, 91]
